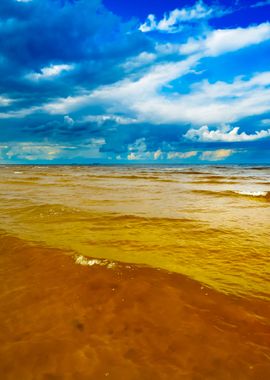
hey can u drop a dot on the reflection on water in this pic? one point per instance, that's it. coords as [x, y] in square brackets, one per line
[210, 223]
[134, 273]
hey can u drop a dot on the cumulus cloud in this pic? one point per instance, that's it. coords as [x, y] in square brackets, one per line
[216, 155]
[174, 20]
[224, 133]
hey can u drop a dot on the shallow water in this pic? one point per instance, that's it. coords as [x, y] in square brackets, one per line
[134, 273]
[210, 223]
[110, 320]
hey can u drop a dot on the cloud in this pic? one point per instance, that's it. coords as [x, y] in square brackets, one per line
[134, 156]
[38, 152]
[4, 101]
[265, 122]
[216, 155]
[118, 119]
[140, 60]
[50, 72]
[78, 81]
[173, 155]
[227, 40]
[126, 93]
[260, 4]
[68, 120]
[219, 102]
[31, 151]
[174, 20]
[142, 97]
[53, 48]
[224, 134]
[158, 154]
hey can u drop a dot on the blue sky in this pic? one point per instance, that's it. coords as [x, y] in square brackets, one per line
[92, 81]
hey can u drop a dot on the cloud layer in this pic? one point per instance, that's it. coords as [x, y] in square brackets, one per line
[80, 83]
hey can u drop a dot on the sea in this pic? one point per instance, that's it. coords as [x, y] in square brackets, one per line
[135, 272]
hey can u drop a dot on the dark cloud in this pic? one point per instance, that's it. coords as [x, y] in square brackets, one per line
[42, 33]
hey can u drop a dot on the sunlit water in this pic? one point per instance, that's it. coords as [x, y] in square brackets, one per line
[135, 273]
[210, 223]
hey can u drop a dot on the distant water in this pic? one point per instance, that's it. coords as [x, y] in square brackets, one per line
[211, 223]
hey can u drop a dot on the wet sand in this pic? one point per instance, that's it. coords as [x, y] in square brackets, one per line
[60, 320]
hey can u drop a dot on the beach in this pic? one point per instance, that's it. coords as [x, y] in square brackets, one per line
[147, 272]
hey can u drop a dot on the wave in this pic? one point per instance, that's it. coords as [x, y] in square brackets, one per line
[85, 261]
[264, 194]
[260, 167]
[54, 211]
[131, 177]
[260, 195]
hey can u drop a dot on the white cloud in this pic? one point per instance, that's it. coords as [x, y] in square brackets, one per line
[140, 60]
[220, 102]
[133, 156]
[227, 40]
[4, 101]
[207, 103]
[173, 21]
[125, 94]
[138, 146]
[68, 120]
[158, 154]
[50, 72]
[225, 133]
[216, 155]
[261, 4]
[265, 122]
[174, 155]
[19, 113]
[100, 119]
[143, 99]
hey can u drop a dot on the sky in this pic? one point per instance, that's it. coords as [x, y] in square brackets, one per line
[117, 82]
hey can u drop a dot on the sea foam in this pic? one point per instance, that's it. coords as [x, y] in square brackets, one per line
[82, 260]
[253, 193]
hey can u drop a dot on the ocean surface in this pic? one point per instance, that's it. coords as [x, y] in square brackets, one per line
[187, 248]
[210, 223]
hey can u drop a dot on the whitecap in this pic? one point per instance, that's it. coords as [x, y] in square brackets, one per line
[82, 260]
[253, 193]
